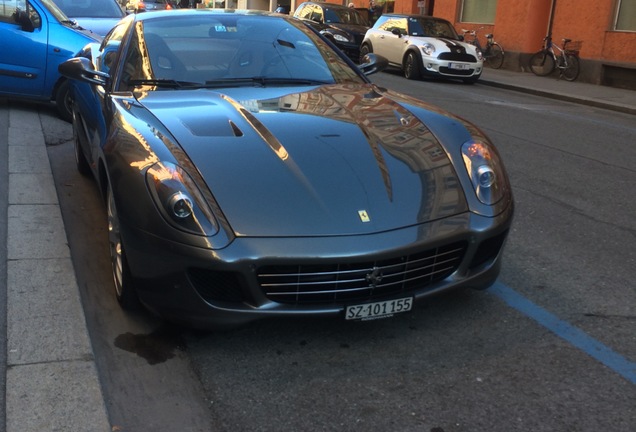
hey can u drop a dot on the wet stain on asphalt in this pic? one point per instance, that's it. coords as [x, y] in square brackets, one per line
[156, 347]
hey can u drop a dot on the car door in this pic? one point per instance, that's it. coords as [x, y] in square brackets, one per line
[92, 100]
[23, 52]
[388, 44]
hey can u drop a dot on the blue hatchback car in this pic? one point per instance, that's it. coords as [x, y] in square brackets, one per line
[35, 37]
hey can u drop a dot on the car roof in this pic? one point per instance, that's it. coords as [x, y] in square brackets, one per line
[199, 12]
[406, 15]
[326, 5]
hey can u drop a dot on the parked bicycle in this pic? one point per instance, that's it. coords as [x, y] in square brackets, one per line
[493, 53]
[566, 59]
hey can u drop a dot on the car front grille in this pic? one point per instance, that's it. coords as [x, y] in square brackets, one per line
[461, 57]
[331, 283]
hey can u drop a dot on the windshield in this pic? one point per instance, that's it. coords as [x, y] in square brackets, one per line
[231, 50]
[54, 10]
[91, 8]
[344, 16]
[432, 28]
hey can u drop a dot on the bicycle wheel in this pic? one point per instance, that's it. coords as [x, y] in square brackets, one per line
[542, 63]
[496, 56]
[571, 72]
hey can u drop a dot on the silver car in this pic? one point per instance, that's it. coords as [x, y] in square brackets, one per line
[423, 46]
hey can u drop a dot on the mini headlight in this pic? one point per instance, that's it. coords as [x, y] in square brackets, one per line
[179, 200]
[485, 171]
[428, 49]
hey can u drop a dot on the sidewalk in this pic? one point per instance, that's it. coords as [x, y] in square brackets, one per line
[51, 377]
[52, 381]
[611, 98]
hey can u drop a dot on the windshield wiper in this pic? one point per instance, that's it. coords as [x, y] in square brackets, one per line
[169, 83]
[262, 81]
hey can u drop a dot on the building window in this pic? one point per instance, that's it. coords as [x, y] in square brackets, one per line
[479, 11]
[626, 15]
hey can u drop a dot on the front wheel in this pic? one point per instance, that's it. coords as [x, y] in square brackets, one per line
[80, 159]
[542, 63]
[571, 71]
[364, 50]
[124, 288]
[496, 56]
[412, 67]
[64, 101]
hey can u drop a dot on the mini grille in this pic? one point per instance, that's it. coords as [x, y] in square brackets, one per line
[329, 283]
[462, 57]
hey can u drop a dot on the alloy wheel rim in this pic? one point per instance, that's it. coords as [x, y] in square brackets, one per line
[114, 240]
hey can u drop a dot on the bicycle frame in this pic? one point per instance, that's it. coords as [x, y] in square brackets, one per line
[560, 59]
[490, 41]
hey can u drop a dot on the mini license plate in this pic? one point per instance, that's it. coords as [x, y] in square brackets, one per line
[383, 309]
[459, 66]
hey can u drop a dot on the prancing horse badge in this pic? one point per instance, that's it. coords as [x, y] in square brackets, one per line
[364, 216]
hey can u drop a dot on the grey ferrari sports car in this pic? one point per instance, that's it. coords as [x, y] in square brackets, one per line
[251, 170]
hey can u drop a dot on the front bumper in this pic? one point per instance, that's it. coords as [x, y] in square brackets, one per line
[451, 68]
[225, 288]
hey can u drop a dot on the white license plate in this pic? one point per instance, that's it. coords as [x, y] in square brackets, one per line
[459, 66]
[383, 309]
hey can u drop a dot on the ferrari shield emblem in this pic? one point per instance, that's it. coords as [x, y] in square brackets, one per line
[364, 216]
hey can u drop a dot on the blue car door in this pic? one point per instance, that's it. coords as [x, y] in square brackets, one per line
[23, 50]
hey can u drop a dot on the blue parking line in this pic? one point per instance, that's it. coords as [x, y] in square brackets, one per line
[566, 331]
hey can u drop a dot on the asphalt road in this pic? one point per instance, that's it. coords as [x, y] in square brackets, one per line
[540, 351]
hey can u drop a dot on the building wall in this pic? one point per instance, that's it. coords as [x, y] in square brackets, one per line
[520, 27]
[607, 57]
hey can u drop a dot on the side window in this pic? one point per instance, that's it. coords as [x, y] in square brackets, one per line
[34, 16]
[305, 12]
[107, 57]
[390, 24]
[10, 8]
[316, 14]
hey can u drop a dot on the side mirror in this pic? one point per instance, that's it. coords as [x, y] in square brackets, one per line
[81, 69]
[22, 18]
[397, 32]
[372, 63]
[460, 37]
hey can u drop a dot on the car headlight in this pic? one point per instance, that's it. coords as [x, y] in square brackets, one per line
[480, 55]
[485, 170]
[428, 49]
[179, 200]
[339, 37]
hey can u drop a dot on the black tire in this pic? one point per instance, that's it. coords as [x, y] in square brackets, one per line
[496, 57]
[411, 66]
[64, 101]
[364, 50]
[80, 159]
[572, 71]
[124, 285]
[542, 63]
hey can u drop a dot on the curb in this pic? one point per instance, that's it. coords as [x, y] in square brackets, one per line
[561, 96]
[51, 381]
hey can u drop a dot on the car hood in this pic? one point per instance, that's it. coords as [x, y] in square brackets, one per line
[349, 28]
[444, 44]
[99, 26]
[331, 160]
